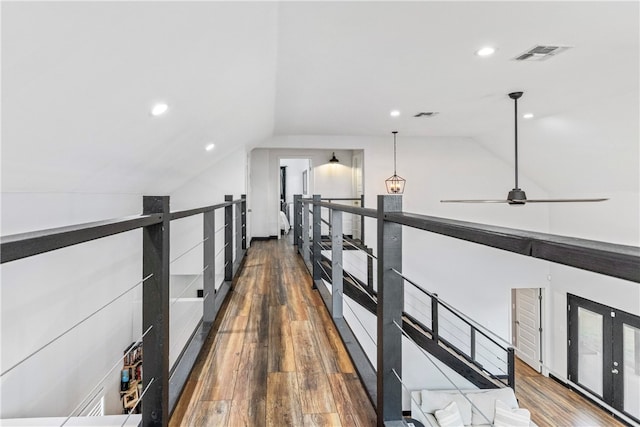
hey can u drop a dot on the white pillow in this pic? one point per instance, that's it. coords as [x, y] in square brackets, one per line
[485, 402]
[508, 417]
[433, 400]
[449, 416]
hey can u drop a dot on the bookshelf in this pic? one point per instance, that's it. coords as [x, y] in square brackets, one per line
[131, 379]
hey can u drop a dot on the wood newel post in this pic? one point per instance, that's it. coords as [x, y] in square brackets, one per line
[244, 221]
[297, 220]
[228, 239]
[511, 367]
[317, 237]
[238, 231]
[389, 314]
[362, 221]
[155, 313]
[209, 259]
[305, 232]
[336, 264]
[434, 318]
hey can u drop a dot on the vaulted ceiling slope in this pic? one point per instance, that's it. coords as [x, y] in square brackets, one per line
[79, 79]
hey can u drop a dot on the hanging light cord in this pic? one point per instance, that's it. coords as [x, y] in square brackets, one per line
[395, 132]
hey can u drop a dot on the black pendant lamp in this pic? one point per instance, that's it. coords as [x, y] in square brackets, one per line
[333, 158]
[395, 183]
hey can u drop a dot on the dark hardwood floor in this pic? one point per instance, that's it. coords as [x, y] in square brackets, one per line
[553, 405]
[276, 359]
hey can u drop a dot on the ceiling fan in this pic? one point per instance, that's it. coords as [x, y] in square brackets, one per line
[517, 196]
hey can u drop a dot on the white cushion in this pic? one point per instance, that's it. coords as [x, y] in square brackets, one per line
[449, 416]
[509, 417]
[435, 400]
[485, 402]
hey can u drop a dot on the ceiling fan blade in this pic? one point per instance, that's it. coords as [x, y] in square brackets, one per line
[564, 200]
[474, 201]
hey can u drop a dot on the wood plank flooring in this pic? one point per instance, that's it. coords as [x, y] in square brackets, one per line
[551, 404]
[276, 359]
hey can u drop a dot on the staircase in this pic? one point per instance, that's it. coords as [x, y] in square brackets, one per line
[446, 352]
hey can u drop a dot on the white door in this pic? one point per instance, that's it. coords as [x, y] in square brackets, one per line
[527, 331]
[358, 189]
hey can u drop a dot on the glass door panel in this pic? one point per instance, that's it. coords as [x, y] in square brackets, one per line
[631, 355]
[590, 350]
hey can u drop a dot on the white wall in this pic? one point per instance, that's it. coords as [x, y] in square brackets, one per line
[326, 179]
[44, 295]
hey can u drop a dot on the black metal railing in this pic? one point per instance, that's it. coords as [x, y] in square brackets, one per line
[385, 384]
[162, 385]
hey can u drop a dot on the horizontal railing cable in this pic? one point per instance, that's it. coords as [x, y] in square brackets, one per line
[221, 250]
[74, 326]
[457, 312]
[373, 340]
[429, 358]
[117, 364]
[220, 229]
[357, 284]
[325, 272]
[418, 405]
[189, 285]
[372, 256]
[188, 250]
[139, 400]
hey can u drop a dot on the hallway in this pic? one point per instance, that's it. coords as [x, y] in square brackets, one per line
[274, 358]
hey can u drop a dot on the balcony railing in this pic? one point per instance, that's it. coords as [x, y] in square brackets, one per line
[436, 328]
[162, 383]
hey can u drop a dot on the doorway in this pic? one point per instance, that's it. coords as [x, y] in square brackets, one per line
[295, 178]
[526, 304]
[603, 348]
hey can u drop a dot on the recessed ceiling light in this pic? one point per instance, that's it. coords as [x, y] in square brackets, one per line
[486, 51]
[527, 116]
[159, 109]
[394, 113]
[209, 147]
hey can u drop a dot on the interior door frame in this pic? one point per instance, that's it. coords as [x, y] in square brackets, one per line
[540, 332]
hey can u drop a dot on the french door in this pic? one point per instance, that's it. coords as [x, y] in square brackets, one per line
[604, 353]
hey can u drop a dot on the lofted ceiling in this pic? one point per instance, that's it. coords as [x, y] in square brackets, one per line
[78, 79]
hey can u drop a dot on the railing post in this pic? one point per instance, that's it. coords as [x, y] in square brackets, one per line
[362, 220]
[317, 237]
[209, 259]
[305, 232]
[389, 313]
[238, 236]
[511, 367]
[244, 221]
[473, 344]
[297, 218]
[228, 239]
[336, 263]
[155, 313]
[434, 318]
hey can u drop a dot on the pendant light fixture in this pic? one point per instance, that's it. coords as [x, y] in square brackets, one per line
[395, 183]
[334, 159]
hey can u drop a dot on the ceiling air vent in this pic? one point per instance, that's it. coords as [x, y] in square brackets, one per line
[541, 53]
[426, 114]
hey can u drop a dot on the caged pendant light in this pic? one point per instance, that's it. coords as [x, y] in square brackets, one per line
[395, 183]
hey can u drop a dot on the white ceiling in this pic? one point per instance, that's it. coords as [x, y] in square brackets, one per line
[78, 80]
